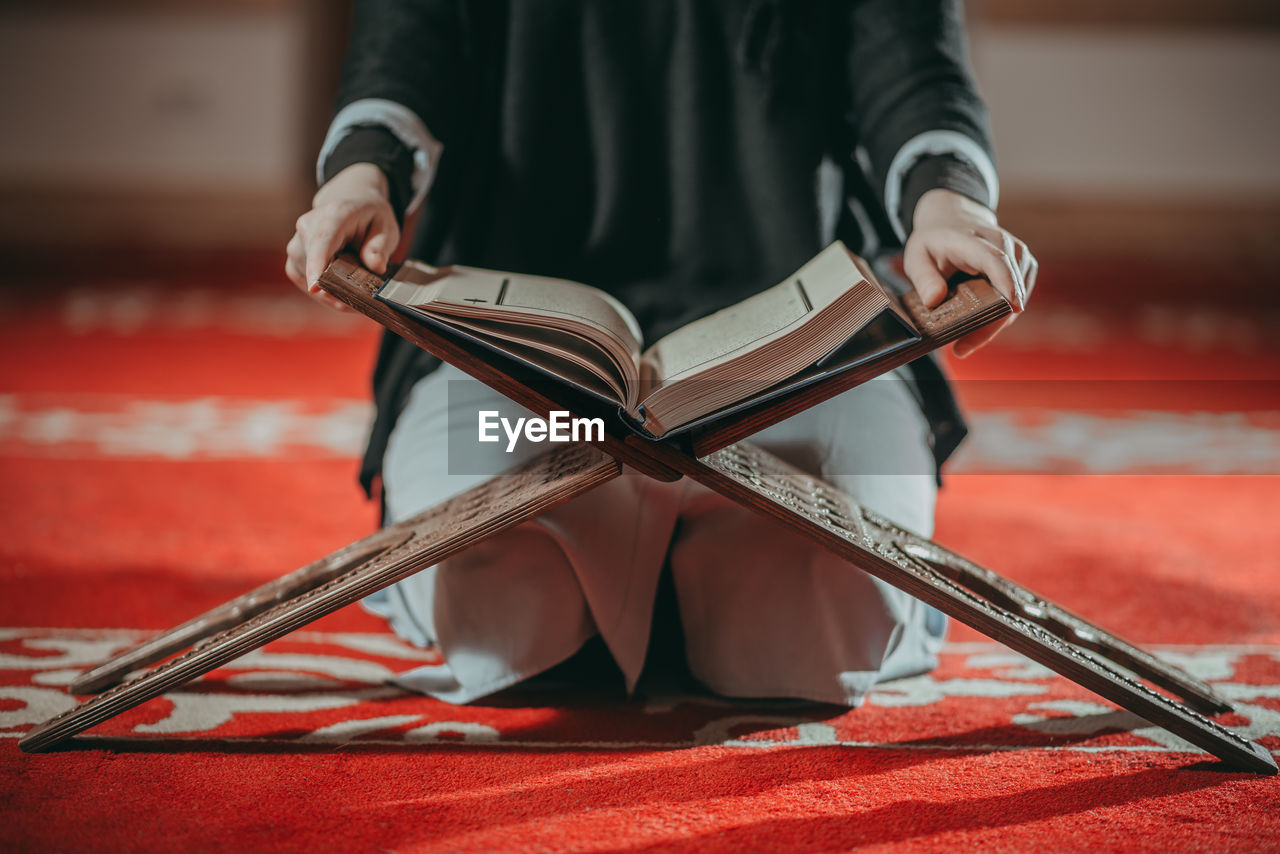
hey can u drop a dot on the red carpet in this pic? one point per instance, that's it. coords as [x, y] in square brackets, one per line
[165, 445]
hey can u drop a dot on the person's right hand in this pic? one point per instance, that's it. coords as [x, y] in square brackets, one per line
[351, 210]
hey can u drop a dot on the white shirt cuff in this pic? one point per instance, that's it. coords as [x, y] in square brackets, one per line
[403, 123]
[933, 142]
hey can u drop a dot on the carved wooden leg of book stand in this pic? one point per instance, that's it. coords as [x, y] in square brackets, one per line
[976, 596]
[239, 610]
[993, 605]
[346, 576]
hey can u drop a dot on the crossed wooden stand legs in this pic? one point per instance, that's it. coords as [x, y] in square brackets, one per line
[973, 595]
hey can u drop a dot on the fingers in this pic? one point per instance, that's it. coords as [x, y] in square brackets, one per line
[1027, 264]
[933, 254]
[350, 210]
[295, 262]
[380, 242]
[324, 231]
[924, 274]
[295, 268]
[980, 256]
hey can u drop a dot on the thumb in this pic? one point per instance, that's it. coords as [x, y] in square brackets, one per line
[380, 244]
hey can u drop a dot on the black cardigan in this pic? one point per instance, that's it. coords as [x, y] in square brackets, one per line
[666, 151]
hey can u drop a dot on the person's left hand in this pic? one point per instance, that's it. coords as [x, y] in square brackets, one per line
[952, 233]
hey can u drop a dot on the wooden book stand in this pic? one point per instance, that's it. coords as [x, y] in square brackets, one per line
[978, 597]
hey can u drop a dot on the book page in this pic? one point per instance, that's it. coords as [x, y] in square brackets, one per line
[473, 292]
[554, 363]
[757, 319]
[729, 330]
[575, 323]
[565, 346]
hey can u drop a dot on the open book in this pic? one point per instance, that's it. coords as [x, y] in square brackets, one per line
[831, 315]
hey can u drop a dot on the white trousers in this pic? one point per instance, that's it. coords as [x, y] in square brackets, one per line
[764, 612]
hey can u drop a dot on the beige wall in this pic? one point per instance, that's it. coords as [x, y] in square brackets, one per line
[1153, 113]
[1142, 140]
[140, 100]
[154, 124]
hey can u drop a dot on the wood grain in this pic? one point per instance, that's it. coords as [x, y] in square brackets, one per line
[390, 555]
[1038, 629]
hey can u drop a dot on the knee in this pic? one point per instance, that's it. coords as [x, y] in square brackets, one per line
[516, 587]
[779, 617]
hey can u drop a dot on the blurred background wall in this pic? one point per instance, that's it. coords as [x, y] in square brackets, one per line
[1138, 127]
[163, 123]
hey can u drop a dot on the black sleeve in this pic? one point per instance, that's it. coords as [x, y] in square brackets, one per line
[908, 73]
[410, 52]
[378, 146]
[940, 171]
